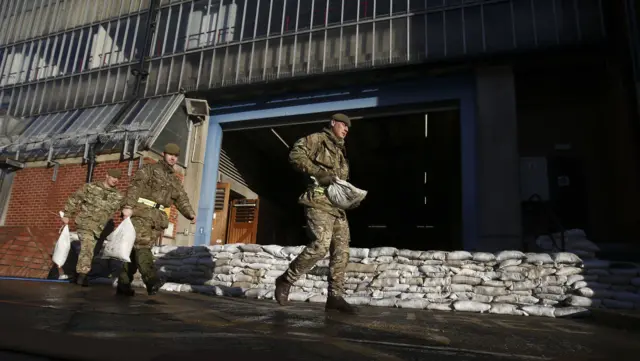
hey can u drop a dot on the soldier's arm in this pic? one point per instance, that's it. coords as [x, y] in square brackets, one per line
[181, 200]
[300, 156]
[139, 181]
[74, 201]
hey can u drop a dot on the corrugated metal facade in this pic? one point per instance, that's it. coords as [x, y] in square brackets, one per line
[68, 54]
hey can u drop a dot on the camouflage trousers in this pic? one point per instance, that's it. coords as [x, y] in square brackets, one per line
[87, 246]
[141, 256]
[141, 259]
[327, 233]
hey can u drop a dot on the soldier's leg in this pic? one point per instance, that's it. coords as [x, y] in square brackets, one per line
[339, 259]
[144, 258]
[85, 258]
[339, 256]
[320, 230]
[125, 278]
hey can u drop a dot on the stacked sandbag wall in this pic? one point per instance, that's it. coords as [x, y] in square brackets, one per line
[508, 282]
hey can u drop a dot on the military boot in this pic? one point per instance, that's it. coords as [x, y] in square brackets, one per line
[82, 280]
[282, 290]
[337, 303]
[153, 287]
[125, 290]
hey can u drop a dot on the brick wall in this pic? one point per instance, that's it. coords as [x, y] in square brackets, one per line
[36, 199]
[26, 252]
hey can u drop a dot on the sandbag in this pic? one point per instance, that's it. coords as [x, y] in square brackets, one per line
[120, 242]
[63, 245]
[344, 195]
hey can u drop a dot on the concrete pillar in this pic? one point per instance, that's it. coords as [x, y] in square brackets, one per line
[193, 182]
[499, 210]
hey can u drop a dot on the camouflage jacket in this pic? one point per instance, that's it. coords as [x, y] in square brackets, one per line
[314, 153]
[93, 204]
[158, 183]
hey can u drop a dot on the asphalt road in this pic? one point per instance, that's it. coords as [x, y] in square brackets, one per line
[66, 322]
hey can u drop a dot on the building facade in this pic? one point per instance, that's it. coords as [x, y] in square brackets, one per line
[86, 80]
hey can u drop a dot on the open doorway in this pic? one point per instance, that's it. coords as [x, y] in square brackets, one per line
[409, 163]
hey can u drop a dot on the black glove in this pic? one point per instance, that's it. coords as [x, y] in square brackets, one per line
[324, 178]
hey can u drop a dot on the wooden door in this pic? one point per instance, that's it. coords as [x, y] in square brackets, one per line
[220, 214]
[243, 224]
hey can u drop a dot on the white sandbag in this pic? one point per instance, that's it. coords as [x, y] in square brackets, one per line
[538, 258]
[481, 298]
[434, 282]
[359, 252]
[459, 256]
[484, 257]
[571, 312]
[358, 300]
[540, 272]
[539, 310]
[382, 251]
[345, 195]
[511, 276]
[516, 299]
[446, 306]
[568, 271]
[509, 263]
[496, 283]
[581, 301]
[579, 284]
[553, 281]
[63, 245]
[120, 241]
[419, 303]
[433, 256]
[384, 302]
[433, 269]
[551, 297]
[555, 290]
[461, 288]
[466, 280]
[566, 257]
[505, 255]
[506, 309]
[471, 306]
[490, 291]
[576, 278]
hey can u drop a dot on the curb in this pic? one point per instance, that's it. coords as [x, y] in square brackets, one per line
[626, 320]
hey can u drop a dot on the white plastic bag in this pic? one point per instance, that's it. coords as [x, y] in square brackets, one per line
[63, 245]
[344, 195]
[120, 242]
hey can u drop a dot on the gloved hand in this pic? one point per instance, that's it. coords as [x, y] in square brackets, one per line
[127, 212]
[324, 178]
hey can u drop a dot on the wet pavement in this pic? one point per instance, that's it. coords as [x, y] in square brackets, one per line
[73, 323]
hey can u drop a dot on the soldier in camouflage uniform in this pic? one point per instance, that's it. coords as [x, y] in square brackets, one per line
[155, 187]
[322, 156]
[96, 202]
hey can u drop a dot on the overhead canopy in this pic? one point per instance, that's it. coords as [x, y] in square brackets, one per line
[65, 134]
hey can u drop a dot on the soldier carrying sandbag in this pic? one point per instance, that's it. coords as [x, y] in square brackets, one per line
[322, 155]
[155, 187]
[93, 205]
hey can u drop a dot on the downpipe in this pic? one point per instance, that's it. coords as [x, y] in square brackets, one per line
[91, 162]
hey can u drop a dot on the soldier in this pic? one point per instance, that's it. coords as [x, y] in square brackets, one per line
[153, 190]
[322, 155]
[97, 201]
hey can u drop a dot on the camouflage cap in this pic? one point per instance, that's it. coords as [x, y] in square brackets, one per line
[172, 149]
[339, 117]
[115, 173]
